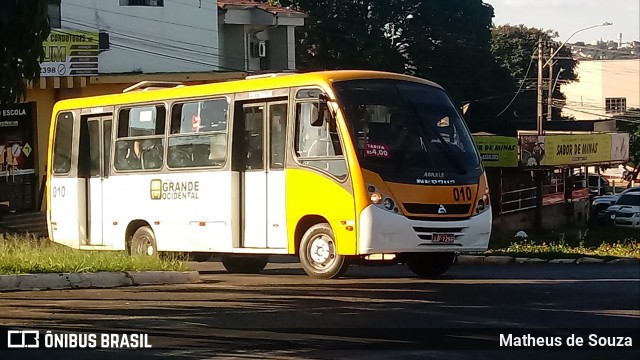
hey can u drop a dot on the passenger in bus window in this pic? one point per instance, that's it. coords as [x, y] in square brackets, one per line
[134, 155]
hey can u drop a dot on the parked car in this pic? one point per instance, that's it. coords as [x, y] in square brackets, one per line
[601, 203]
[627, 217]
[598, 185]
[627, 204]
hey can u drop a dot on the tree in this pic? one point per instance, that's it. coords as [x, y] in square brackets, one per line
[630, 122]
[513, 48]
[24, 25]
[346, 35]
[447, 42]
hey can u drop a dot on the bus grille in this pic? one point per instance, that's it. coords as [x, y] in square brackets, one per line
[432, 209]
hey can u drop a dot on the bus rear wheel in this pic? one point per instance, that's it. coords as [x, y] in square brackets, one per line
[244, 264]
[318, 253]
[430, 264]
[143, 242]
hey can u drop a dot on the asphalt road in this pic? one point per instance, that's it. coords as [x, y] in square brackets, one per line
[373, 313]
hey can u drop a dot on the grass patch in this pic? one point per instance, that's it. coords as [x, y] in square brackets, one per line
[27, 254]
[603, 242]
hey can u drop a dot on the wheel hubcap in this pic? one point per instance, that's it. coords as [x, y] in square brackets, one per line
[150, 251]
[145, 246]
[322, 252]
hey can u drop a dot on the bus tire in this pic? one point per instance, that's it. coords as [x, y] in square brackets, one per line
[244, 264]
[318, 253]
[143, 242]
[428, 265]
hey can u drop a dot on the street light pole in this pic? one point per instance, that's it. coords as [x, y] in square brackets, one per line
[550, 88]
[542, 64]
[570, 36]
[553, 87]
[539, 179]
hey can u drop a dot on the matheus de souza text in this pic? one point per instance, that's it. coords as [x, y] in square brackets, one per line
[573, 340]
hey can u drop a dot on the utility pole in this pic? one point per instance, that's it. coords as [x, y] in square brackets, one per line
[550, 87]
[540, 117]
[538, 174]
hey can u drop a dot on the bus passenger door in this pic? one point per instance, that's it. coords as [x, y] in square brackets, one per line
[253, 176]
[98, 140]
[276, 215]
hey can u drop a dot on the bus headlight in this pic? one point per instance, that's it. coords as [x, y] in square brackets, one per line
[388, 204]
[376, 197]
[483, 204]
[381, 200]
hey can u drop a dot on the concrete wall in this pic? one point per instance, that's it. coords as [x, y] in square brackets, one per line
[553, 218]
[281, 49]
[601, 79]
[234, 39]
[178, 37]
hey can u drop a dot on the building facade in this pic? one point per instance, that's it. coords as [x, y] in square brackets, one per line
[606, 88]
[103, 47]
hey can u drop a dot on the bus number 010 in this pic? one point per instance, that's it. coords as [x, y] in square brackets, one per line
[58, 191]
[462, 194]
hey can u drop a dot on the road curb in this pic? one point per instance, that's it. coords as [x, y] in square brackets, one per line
[57, 281]
[504, 260]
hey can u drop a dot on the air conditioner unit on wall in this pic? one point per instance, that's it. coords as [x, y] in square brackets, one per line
[259, 49]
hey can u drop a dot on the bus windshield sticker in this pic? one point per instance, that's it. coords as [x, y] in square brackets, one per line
[377, 150]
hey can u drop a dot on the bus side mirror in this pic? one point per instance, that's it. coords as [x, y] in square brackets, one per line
[318, 120]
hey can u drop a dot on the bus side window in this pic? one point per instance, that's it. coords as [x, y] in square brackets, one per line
[62, 143]
[198, 135]
[140, 138]
[318, 146]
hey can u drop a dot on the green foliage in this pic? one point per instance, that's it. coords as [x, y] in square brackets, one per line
[444, 41]
[554, 250]
[347, 35]
[24, 25]
[607, 241]
[630, 122]
[23, 254]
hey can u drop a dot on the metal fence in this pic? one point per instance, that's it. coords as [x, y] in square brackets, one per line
[518, 200]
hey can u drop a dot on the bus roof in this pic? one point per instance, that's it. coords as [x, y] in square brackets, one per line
[228, 87]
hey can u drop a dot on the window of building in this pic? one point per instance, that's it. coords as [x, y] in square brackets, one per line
[141, 2]
[615, 105]
[140, 138]
[198, 134]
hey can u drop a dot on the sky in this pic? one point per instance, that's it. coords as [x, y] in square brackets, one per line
[567, 16]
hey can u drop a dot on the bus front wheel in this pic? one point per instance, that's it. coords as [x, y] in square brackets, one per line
[244, 264]
[143, 242]
[430, 264]
[318, 253]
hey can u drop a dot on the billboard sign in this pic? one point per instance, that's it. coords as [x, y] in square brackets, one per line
[497, 151]
[70, 53]
[573, 149]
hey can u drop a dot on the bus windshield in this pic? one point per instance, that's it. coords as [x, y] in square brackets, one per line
[403, 129]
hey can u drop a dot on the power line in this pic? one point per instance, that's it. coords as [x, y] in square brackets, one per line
[519, 89]
[144, 18]
[171, 48]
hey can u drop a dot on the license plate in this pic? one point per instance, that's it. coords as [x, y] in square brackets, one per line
[443, 238]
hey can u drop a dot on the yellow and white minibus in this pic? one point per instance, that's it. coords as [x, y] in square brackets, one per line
[333, 167]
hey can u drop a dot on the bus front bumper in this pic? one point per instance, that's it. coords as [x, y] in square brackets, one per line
[382, 231]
